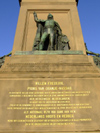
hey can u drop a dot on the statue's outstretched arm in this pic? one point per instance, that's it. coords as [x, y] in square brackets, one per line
[36, 18]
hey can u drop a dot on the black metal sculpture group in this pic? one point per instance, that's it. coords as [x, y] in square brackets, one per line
[49, 35]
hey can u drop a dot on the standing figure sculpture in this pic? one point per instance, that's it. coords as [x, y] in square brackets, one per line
[49, 35]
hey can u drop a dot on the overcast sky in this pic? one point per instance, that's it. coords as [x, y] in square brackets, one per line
[89, 13]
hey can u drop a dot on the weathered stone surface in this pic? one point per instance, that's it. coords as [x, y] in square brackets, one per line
[49, 93]
[61, 90]
[76, 102]
[49, 66]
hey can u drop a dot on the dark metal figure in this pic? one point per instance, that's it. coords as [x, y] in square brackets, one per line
[2, 59]
[96, 56]
[49, 35]
[90, 52]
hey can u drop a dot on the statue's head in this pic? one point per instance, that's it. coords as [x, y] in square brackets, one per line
[50, 16]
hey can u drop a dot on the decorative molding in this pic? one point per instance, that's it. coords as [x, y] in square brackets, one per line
[49, 2]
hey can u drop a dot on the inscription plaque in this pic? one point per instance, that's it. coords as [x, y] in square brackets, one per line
[58, 105]
[50, 103]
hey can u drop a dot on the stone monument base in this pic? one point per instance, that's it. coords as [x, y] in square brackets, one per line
[49, 93]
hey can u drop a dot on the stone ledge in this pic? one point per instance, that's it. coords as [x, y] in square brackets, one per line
[50, 132]
[44, 75]
[49, 52]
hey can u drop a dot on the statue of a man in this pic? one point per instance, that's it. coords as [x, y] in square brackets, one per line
[47, 29]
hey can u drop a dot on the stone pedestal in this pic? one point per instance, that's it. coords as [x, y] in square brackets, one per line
[49, 92]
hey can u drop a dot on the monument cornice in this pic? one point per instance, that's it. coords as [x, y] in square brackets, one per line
[21, 1]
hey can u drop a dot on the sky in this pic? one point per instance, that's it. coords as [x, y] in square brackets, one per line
[89, 13]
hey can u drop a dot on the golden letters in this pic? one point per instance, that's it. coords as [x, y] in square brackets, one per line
[49, 103]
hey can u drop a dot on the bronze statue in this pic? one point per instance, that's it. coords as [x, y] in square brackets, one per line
[49, 35]
[96, 56]
[90, 52]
